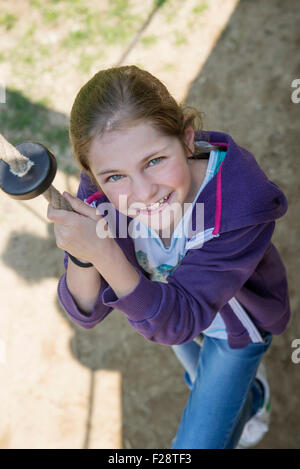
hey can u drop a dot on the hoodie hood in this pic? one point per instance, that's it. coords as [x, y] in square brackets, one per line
[240, 194]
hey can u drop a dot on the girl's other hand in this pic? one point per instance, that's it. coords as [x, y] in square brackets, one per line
[76, 232]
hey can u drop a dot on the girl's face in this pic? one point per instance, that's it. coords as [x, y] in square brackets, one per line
[137, 167]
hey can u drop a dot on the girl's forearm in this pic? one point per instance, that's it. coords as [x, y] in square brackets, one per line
[118, 272]
[84, 285]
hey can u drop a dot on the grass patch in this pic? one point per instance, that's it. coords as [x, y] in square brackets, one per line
[113, 26]
[21, 115]
[8, 20]
[70, 168]
[86, 61]
[159, 3]
[23, 120]
[199, 9]
[57, 137]
[148, 41]
[118, 8]
[51, 16]
[76, 38]
[28, 59]
[169, 67]
[180, 38]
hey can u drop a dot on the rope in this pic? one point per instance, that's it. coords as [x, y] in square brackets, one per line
[20, 165]
[56, 199]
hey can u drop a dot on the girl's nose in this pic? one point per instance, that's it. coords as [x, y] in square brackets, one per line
[144, 190]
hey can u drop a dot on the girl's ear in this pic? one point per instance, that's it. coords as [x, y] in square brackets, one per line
[189, 138]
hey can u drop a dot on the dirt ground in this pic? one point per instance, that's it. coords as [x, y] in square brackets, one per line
[66, 387]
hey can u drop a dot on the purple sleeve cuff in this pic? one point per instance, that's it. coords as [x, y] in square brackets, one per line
[85, 320]
[141, 303]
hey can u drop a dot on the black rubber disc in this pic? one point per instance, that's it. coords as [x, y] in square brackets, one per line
[38, 178]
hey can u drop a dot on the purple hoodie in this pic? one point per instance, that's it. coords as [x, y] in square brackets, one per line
[241, 204]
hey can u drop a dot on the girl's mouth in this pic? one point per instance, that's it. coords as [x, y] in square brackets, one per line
[161, 206]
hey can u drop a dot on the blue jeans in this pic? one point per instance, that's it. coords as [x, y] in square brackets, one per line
[224, 392]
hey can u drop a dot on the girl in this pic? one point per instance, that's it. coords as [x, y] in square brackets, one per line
[213, 287]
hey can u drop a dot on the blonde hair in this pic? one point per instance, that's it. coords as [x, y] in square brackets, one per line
[119, 98]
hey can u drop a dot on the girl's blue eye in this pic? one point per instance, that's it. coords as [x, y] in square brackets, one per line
[107, 180]
[158, 158]
[114, 175]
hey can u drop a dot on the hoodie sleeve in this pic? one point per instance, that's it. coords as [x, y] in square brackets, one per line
[205, 280]
[99, 311]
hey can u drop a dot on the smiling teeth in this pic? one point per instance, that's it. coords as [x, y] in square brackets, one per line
[157, 204]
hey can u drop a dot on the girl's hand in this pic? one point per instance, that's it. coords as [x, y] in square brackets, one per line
[76, 232]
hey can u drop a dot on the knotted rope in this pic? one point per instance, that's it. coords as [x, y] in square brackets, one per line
[20, 165]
